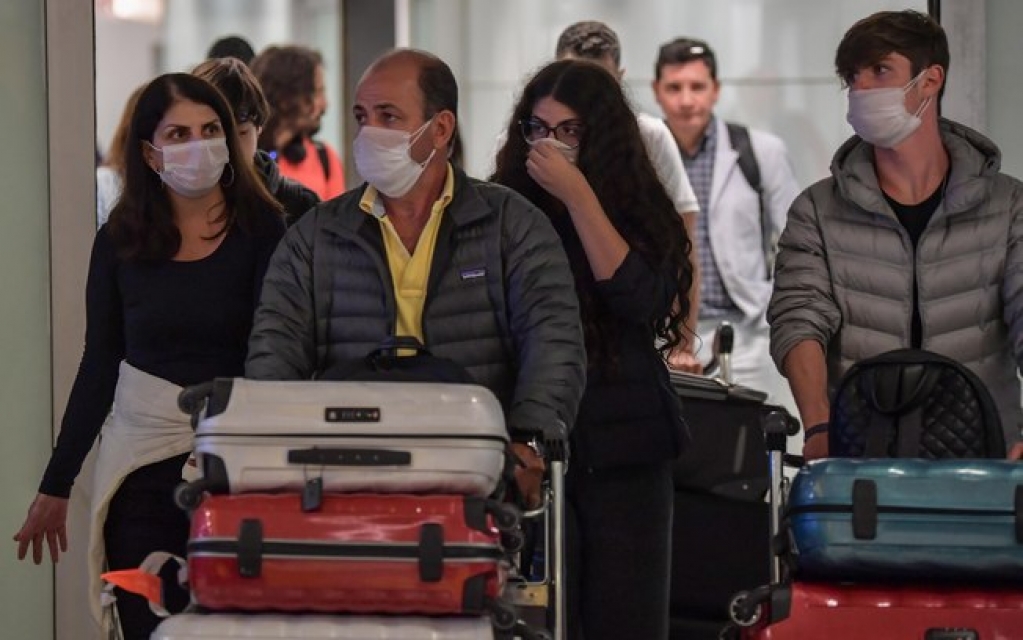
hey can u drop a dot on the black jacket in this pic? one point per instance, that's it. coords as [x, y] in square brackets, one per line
[293, 196]
[500, 300]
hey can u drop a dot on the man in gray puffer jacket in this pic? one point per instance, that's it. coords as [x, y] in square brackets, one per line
[472, 269]
[915, 241]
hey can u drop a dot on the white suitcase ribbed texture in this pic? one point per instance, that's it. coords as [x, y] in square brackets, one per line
[218, 626]
[452, 436]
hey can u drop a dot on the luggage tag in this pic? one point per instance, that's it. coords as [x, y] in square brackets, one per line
[312, 494]
[312, 491]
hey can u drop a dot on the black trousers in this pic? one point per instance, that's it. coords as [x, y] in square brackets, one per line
[143, 518]
[619, 551]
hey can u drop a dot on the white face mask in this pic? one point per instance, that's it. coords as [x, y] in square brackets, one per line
[879, 116]
[192, 169]
[384, 158]
[571, 153]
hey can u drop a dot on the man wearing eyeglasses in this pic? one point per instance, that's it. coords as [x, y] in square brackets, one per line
[740, 223]
[598, 43]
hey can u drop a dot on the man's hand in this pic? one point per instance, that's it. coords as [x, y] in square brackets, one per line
[1016, 453]
[682, 359]
[528, 475]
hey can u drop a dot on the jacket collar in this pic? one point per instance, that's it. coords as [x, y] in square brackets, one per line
[974, 161]
[467, 206]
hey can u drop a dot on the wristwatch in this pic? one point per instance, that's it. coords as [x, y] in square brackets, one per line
[536, 445]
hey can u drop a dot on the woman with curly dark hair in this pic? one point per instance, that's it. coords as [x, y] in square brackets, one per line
[574, 149]
[173, 280]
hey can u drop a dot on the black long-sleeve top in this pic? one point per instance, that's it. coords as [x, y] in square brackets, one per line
[631, 416]
[185, 322]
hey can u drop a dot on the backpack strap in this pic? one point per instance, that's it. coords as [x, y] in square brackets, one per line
[739, 137]
[321, 153]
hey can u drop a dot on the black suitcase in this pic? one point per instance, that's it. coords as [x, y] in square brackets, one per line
[720, 536]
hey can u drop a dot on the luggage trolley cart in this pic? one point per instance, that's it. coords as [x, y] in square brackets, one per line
[541, 599]
[380, 438]
[749, 608]
[914, 588]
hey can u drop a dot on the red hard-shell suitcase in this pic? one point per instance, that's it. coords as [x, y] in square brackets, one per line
[806, 610]
[355, 553]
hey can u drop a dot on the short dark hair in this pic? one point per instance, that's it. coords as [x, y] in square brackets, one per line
[437, 82]
[239, 86]
[232, 47]
[440, 93]
[591, 40]
[912, 34]
[683, 50]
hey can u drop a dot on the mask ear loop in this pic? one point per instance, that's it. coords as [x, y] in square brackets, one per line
[923, 106]
[416, 135]
[157, 150]
[912, 83]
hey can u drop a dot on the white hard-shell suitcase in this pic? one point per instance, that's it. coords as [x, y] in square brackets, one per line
[372, 437]
[226, 626]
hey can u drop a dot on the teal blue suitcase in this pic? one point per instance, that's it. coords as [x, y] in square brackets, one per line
[907, 519]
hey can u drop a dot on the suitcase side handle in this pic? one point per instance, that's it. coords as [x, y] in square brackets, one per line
[338, 457]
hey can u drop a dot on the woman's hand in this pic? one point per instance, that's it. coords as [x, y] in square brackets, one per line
[1016, 453]
[682, 359]
[47, 518]
[559, 177]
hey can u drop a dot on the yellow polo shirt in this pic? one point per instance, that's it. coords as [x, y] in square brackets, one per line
[409, 273]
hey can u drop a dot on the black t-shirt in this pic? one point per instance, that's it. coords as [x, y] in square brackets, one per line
[914, 218]
[185, 322]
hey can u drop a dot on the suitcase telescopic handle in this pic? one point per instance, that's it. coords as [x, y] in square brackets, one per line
[341, 457]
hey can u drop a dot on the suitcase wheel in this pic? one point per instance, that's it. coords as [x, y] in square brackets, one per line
[513, 541]
[188, 495]
[745, 608]
[503, 616]
[506, 516]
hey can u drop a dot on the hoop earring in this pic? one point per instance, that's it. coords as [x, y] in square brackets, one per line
[231, 180]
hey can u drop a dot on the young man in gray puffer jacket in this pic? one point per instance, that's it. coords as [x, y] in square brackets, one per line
[915, 241]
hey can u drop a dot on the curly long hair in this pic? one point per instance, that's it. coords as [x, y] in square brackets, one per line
[142, 222]
[614, 160]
